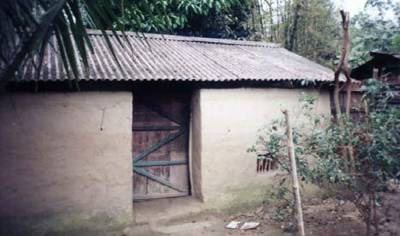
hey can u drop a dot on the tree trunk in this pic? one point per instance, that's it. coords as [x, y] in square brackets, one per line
[346, 71]
[336, 100]
[278, 21]
[343, 67]
[346, 52]
[293, 33]
[259, 11]
[271, 21]
[286, 23]
[253, 19]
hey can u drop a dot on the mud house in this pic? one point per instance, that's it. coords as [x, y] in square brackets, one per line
[175, 120]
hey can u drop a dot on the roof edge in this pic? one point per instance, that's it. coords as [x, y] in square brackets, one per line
[192, 39]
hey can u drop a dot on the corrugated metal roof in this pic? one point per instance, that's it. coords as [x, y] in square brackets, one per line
[179, 58]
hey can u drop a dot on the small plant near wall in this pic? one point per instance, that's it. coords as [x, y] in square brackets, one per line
[322, 153]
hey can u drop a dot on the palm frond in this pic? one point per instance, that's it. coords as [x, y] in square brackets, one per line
[27, 27]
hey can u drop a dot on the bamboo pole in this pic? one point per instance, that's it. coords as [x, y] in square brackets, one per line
[296, 185]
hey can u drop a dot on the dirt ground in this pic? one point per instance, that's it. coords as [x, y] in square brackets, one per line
[328, 217]
[389, 224]
[322, 217]
[332, 217]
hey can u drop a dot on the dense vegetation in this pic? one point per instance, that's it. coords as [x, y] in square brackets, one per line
[323, 154]
[375, 29]
[207, 18]
[312, 28]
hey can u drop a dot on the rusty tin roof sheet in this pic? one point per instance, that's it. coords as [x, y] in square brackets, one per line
[178, 58]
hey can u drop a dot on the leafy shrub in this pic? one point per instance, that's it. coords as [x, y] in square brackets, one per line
[358, 158]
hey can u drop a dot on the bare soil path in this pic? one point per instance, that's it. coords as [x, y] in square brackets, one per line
[329, 217]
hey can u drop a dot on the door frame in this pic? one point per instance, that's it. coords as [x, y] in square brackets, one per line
[182, 128]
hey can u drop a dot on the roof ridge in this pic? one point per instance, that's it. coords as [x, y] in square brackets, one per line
[192, 39]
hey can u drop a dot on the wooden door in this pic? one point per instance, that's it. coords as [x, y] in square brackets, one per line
[160, 144]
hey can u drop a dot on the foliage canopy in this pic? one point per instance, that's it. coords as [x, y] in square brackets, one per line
[209, 18]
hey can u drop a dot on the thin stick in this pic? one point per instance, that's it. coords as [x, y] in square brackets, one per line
[296, 185]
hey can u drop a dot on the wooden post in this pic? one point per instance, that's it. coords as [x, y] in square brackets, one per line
[296, 185]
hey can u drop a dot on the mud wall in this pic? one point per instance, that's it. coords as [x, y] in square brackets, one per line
[229, 121]
[65, 160]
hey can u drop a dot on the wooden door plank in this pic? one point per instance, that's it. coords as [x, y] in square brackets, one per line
[161, 163]
[155, 128]
[162, 181]
[160, 145]
[156, 146]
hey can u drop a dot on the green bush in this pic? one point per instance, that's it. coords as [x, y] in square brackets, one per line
[359, 159]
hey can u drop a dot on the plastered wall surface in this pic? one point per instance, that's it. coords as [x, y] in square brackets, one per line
[66, 156]
[229, 121]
